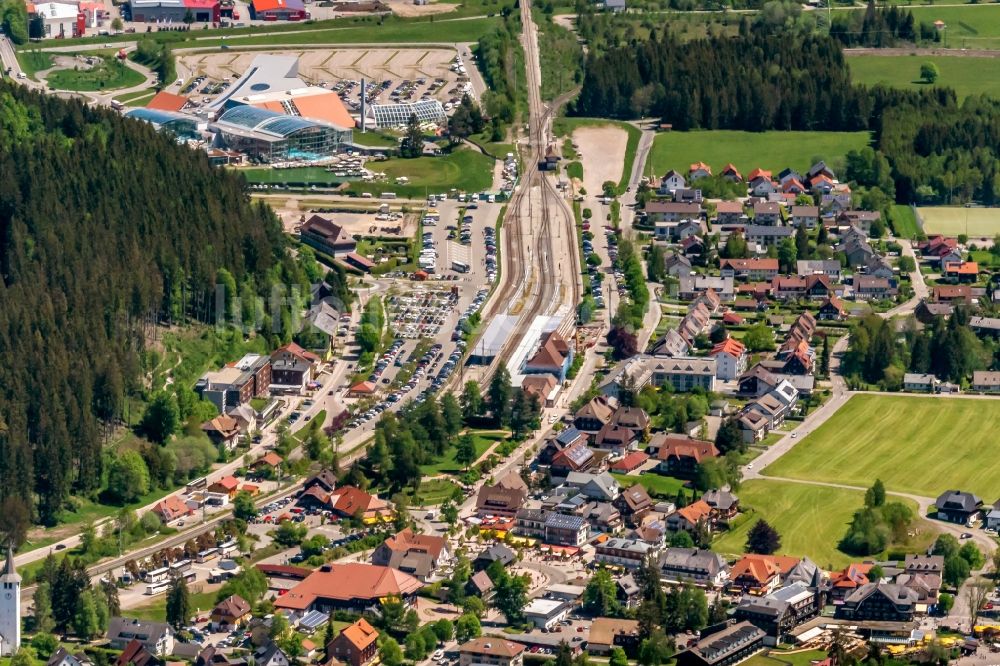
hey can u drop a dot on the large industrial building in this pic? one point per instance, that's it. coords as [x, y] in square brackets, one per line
[270, 136]
[174, 11]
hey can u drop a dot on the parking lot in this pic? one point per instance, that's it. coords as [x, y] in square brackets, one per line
[393, 74]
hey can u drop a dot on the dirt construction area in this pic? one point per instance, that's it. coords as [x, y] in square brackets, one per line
[325, 66]
[354, 218]
[602, 152]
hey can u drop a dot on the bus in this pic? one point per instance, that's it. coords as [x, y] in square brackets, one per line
[179, 567]
[157, 575]
[157, 588]
[208, 554]
[459, 266]
[228, 548]
[197, 484]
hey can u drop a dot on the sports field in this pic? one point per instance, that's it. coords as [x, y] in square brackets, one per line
[965, 75]
[953, 220]
[810, 519]
[919, 445]
[903, 221]
[748, 150]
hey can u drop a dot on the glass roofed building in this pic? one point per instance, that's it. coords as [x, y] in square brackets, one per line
[394, 115]
[270, 136]
[180, 124]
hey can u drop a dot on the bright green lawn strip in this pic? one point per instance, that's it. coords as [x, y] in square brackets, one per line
[748, 150]
[968, 26]
[465, 170]
[375, 140]
[966, 75]
[665, 486]
[141, 98]
[917, 445]
[433, 492]
[904, 222]
[306, 175]
[955, 220]
[105, 75]
[574, 170]
[565, 126]
[779, 658]
[810, 519]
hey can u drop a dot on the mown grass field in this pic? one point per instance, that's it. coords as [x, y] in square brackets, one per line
[810, 519]
[748, 150]
[968, 26]
[955, 220]
[920, 445]
[448, 464]
[465, 169]
[107, 74]
[965, 74]
[782, 658]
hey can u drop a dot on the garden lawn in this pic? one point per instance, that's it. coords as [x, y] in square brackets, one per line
[919, 445]
[465, 170]
[967, 75]
[666, 486]
[107, 74]
[748, 150]
[810, 519]
[955, 220]
[433, 492]
[780, 658]
[968, 26]
[304, 175]
[903, 221]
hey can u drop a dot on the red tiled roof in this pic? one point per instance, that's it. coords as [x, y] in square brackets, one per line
[360, 634]
[631, 461]
[165, 101]
[352, 581]
[730, 346]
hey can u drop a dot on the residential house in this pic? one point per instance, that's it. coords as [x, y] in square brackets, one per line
[688, 195]
[690, 287]
[480, 585]
[755, 270]
[499, 501]
[230, 613]
[730, 359]
[420, 555]
[677, 265]
[828, 267]
[267, 462]
[491, 651]
[685, 374]
[780, 611]
[671, 181]
[270, 655]
[729, 212]
[223, 431]
[292, 368]
[554, 356]
[607, 633]
[633, 504]
[879, 602]
[690, 517]
[237, 383]
[945, 293]
[723, 503]
[766, 213]
[577, 457]
[351, 502]
[733, 644]
[868, 288]
[732, 174]
[495, 553]
[680, 455]
[602, 486]
[594, 415]
[629, 463]
[615, 439]
[171, 508]
[986, 381]
[327, 237]
[227, 486]
[764, 236]
[821, 184]
[156, 637]
[859, 219]
[956, 506]
[832, 309]
[985, 325]
[62, 657]
[565, 530]
[852, 577]
[757, 381]
[628, 592]
[628, 553]
[356, 644]
[562, 439]
[805, 216]
[760, 183]
[136, 654]
[694, 565]
[753, 426]
[760, 574]
[962, 271]
[670, 211]
[325, 479]
[699, 170]
[543, 387]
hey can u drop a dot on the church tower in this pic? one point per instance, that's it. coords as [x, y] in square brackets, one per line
[10, 607]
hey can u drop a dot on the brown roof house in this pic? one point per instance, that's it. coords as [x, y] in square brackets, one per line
[171, 508]
[356, 645]
[491, 651]
[541, 386]
[554, 357]
[230, 613]
[594, 415]
[327, 236]
[633, 504]
[499, 501]
[420, 555]
[680, 455]
[223, 430]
